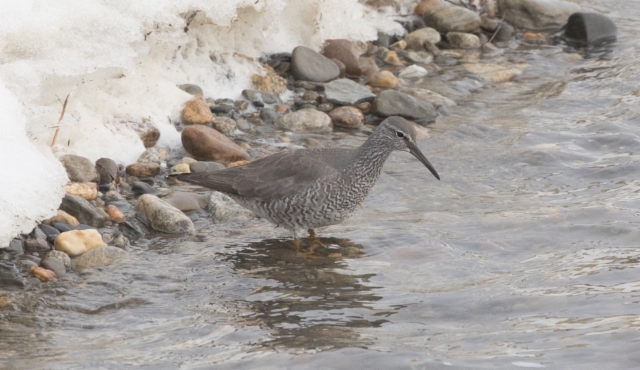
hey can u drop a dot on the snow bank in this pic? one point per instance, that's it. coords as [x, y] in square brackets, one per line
[120, 61]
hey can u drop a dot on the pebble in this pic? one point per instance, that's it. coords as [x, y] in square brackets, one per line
[305, 120]
[429, 96]
[283, 108]
[61, 256]
[413, 71]
[55, 265]
[369, 66]
[147, 131]
[450, 18]
[179, 168]
[37, 245]
[590, 28]
[269, 81]
[421, 57]
[224, 209]
[114, 213]
[493, 72]
[347, 92]
[77, 242]
[309, 65]
[207, 144]
[108, 171]
[325, 107]
[341, 67]
[191, 89]
[61, 226]
[238, 163]
[312, 143]
[384, 79]
[139, 188]
[400, 45]
[121, 241]
[537, 15]
[349, 117]
[112, 195]
[196, 112]
[392, 58]
[63, 216]
[42, 274]
[50, 232]
[79, 169]
[187, 202]
[505, 33]
[86, 190]
[149, 169]
[345, 52]
[84, 227]
[100, 257]
[425, 5]
[153, 155]
[83, 211]
[224, 125]
[268, 115]
[534, 38]
[461, 40]
[364, 107]
[394, 103]
[416, 39]
[204, 167]
[162, 216]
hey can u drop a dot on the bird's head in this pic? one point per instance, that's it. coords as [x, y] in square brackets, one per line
[402, 136]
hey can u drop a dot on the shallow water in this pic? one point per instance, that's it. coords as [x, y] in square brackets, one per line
[524, 255]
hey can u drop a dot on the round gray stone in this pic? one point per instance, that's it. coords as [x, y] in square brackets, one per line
[309, 65]
[394, 103]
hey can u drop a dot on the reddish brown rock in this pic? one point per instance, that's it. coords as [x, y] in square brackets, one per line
[42, 274]
[114, 213]
[196, 112]
[346, 52]
[207, 144]
[384, 79]
[143, 169]
[349, 117]
[425, 5]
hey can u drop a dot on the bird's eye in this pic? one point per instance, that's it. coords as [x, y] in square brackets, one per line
[400, 134]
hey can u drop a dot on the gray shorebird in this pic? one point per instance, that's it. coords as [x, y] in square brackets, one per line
[310, 188]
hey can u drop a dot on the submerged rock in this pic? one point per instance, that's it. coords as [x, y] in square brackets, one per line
[347, 92]
[187, 202]
[77, 242]
[309, 65]
[305, 120]
[590, 28]
[413, 71]
[493, 72]
[224, 209]
[449, 18]
[162, 216]
[429, 96]
[394, 103]
[79, 169]
[207, 144]
[100, 257]
[537, 15]
[55, 265]
[42, 274]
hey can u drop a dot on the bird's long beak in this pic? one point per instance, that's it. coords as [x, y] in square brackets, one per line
[413, 149]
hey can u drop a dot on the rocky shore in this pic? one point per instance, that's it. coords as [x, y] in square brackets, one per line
[302, 99]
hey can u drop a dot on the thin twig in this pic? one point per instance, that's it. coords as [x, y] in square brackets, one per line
[64, 108]
[495, 32]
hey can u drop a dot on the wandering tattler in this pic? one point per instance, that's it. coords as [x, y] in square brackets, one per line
[311, 188]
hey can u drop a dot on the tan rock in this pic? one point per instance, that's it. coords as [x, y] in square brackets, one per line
[269, 82]
[146, 129]
[63, 216]
[86, 190]
[369, 66]
[282, 108]
[305, 120]
[534, 38]
[346, 52]
[365, 107]
[162, 216]
[207, 144]
[226, 125]
[76, 242]
[384, 79]
[416, 39]
[238, 163]
[349, 117]
[188, 160]
[179, 168]
[392, 58]
[196, 112]
[143, 169]
[400, 45]
[425, 5]
[494, 72]
[114, 213]
[42, 274]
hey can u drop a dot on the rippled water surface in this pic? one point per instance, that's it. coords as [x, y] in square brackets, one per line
[524, 255]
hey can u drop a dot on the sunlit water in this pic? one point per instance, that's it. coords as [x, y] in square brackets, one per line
[524, 255]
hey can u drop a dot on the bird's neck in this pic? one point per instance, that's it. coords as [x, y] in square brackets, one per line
[370, 157]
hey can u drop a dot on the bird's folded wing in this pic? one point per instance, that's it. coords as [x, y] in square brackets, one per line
[273, 177]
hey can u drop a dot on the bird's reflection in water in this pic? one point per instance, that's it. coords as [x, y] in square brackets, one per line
[314, 303]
